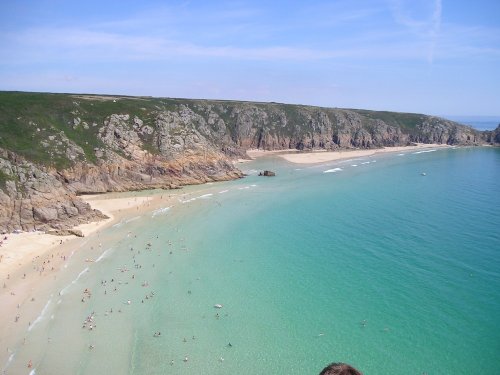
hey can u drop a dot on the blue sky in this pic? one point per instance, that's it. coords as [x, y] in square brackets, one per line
[428, 56]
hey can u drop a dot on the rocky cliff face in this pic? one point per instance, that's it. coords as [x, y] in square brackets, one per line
[54, 146]
[33, 197]
[493, 137]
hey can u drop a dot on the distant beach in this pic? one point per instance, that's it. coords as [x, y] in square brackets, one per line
[327, 156]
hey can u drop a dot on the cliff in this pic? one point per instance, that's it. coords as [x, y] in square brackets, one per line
[56, 146]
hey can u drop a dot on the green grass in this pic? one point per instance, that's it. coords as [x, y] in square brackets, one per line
[27, 119]
[406, 121]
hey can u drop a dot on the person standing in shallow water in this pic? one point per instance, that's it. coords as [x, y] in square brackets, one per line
[339, 369]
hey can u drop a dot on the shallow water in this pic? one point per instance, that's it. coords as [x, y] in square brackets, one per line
[372, 264]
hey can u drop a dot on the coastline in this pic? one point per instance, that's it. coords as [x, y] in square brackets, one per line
[19, 250]
[316, 157]
[48, 329]
[32, 262]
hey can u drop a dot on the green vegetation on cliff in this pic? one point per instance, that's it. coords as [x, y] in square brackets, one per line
[54, 146]
[44, 127]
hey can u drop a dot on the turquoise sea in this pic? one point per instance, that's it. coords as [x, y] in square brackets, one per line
[371, 263]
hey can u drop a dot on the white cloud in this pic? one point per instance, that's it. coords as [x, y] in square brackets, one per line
[423, 22]
[434, 29]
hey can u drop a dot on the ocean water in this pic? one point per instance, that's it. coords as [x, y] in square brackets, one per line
[363, 261]
[478, 122]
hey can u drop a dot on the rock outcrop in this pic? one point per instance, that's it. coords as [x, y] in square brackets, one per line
[267, 174]
[33, 198]
[493, 137]
[54, 147]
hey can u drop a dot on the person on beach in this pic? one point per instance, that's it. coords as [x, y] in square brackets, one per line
[339, 369]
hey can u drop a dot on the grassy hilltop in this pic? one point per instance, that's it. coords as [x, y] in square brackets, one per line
[56, 146]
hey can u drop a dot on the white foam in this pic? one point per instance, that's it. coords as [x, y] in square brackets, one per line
[223, 191]
[334, 170]
[365, 162]
[253, 185]
[205, 196]
[103, 255]
[133, 219]
[423, 151]
[40, 317]
[244, 188]
[401, 154]
[69, 257]
[354, 165]
[9, 360]
[74, 281]
[187, 201]
[161, 211]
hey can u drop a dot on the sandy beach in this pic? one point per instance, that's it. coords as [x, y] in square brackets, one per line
[20, 248]
[257, 153]
[326, 156]
[32, 261]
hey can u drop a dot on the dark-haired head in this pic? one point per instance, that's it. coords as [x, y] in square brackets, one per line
[339, 369]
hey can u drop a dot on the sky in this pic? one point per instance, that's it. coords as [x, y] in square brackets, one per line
[438, 57]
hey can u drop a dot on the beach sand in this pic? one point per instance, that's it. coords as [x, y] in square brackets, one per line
[257, 153]
[326, 156]
[31, 262]
[19, 249]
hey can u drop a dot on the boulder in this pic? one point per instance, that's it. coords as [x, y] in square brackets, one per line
[267, 174]
[45, 214]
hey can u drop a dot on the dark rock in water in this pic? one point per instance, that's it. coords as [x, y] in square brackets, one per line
[78, 149]
[267, 173]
